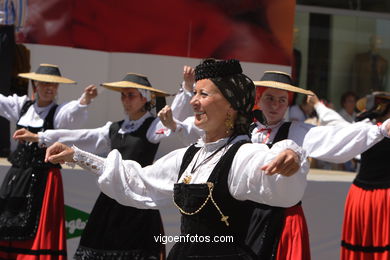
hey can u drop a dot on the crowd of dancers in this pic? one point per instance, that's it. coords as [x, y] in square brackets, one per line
[241, 172]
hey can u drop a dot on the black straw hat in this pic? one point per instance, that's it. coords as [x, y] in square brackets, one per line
[133, 80]
[373, 100]
[47, 73]
[280, 80]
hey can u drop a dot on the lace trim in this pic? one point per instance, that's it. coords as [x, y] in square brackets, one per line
[88, 161]
[86, 253]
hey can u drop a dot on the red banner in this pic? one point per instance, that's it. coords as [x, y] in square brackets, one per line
[249, 30]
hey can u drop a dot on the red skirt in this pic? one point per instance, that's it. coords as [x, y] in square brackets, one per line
[50, 239]
[366, 227]
[294, 240]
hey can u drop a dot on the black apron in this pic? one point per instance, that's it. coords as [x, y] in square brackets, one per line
[115, 231]
[22, 190]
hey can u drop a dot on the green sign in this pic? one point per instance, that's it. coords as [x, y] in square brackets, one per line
[75, 221]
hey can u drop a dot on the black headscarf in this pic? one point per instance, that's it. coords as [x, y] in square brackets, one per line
[236, 87]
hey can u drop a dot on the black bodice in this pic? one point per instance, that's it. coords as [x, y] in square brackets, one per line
[207, 220]
[374, 172]
[30, 154]
[115, 231]
[134, 146]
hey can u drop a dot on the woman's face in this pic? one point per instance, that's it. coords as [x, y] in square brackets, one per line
[133, 102]
[349, 104]
[46, 91]
[211, 109]
[274, 103]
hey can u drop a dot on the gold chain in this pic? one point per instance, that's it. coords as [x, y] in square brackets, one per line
[210, 185]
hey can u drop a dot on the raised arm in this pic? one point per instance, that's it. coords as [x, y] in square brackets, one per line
[73, 114]
[326, 116]
[181, 108]
[166, 125]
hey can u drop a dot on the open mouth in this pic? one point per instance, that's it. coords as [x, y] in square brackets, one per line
[198, 115]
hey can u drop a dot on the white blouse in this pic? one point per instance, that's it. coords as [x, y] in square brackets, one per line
[337, 142]
[152, 186]
[68, 115]
[97, 140]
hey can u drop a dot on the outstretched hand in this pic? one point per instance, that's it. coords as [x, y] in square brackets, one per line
[286, 163]
[59, 153]
[166, 117]
[23, 135]
[89, 94]
[188, 77]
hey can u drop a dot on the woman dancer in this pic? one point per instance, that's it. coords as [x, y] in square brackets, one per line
[274, 95]
[288, 237]
[32, 224]
[115, 231]
[214, 181]
[366, 226]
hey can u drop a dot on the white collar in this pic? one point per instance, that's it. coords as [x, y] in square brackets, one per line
[258, 124]
[40, 110]
[129, 125]
[212, 146]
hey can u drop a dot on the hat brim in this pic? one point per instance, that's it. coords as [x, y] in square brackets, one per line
[119, 85]
[46, 78]
[282, 86]
[361, 104]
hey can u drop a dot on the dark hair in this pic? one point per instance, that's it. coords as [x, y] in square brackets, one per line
[148, 106]
[347, 94]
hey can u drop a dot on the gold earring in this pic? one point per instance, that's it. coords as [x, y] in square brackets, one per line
[229, 123]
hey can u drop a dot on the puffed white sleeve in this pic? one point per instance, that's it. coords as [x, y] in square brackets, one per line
[70, 115]
[95, 140]
[157, 131]
[130, 184]
[341, 143]
[328, 116]
[186, 131]
[10, 106]
[181, 108]
[248, 182]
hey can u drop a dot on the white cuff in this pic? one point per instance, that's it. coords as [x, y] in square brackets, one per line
[290, 144]
[41, 139]
[88, 161]
[80, 98]
[187, 92]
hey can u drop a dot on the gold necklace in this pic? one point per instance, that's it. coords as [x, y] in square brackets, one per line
[187, 179]
[210, 185]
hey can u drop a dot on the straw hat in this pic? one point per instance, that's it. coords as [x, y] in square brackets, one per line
[47, 73]
[133, 80]
[373, 101]
[280, 80]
